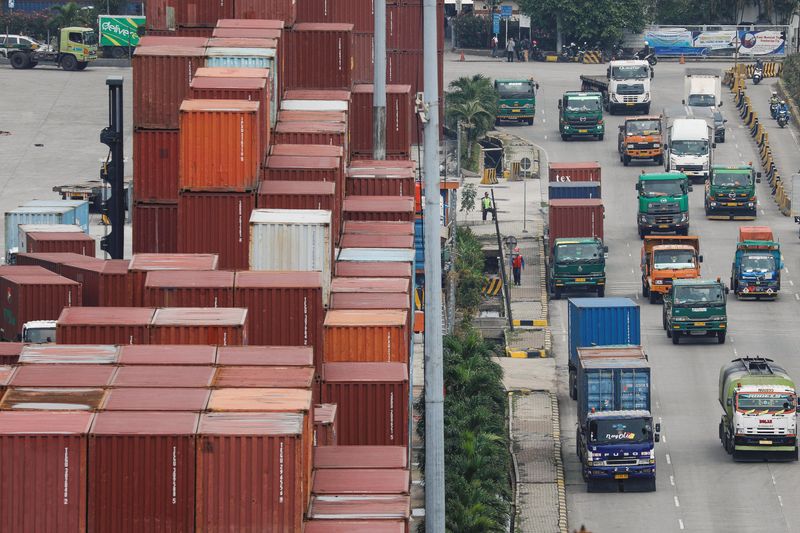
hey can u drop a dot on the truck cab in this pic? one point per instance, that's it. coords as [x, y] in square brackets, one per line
[517, 99]
[759, 403]
[731, 192]
[577, 263]
[695, 307]
[663, 203]
[629, 86]
[757, 264]
[640, 139]
[702, 88]
[76, 47]
[667, 259]
[689, 148]
[39, 331]
[580, 114]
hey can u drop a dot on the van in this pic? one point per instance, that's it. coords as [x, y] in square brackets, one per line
[689, 148]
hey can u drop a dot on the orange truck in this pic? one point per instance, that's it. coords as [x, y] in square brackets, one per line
[641, 138]
[665, 258]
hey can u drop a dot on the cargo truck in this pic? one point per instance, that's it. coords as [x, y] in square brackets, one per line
[731, 192]
[516, 99]
[573, 190]
[615, 438]
[580, 114]
[625, 87]
[119, 35]
[689, 148]
[640, 139]
[574, 171]
[666, 259]
[596, 322]
[695, 307]
[39, 331]
[757, 264]
[759, 403]
[702, 88]
[663, 203]
[74, 50]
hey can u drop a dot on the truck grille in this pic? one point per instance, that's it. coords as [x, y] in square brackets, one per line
[690, 168]
[668, 207]
[765, 431]
[621, 462]
[664, 219]
[635, 88]
[629, 99]
[642, 146]
[579, 122]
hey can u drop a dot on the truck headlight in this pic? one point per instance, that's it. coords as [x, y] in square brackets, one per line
[656, 145]
[680, 318]
[750, 204]
[642, 218]
[630, 147]
[684, 217]
[713, 204]
[718, 317]
[646, 96]
[659, 282]
[566, 126]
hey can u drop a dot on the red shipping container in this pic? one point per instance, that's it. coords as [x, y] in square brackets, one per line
[104, 325]
[172, 39]
[34, 297]
[589, 171]
[141, 264]
[161, 78]
[370, 285]
[406, 66]
[312, 11]
[577, 217]
[380, 182]
[383, 164]
[381, 269]
[69, 353]
[363, 57]
[142, 472]
[242, 42]
[361, 13]
[228, 72]
[142, 399]
[399, 116]
[361, 457]
[220, 145]
[155, 227]
[306, 132]
[354, 240]
[366, 336]
[44, 471]
[325, 425]
[246, 33]
[311, 116]
[274, 400]
[356, 227]
[370, 300]
[182, 32]
[361, 481]
[337, 95]
[199, 325]
[63, 375]
[163, 376]
[168, 355]
[155, 165]
[265, 355]
[261, 22]
[49, 242]
[404, 26]
[364, 507]
[212, 288]
[323, 525]
[284, 308]
[755, 233]
[9, 354]
[280, 194]
[372, 400]
[285, 10]
[379, 208]
[35, 264]
[300, 168]
[192, 13]
[264, 377]
[105, 283]
[53, 399]
[272, 445]
[218, 223]
[328, 47]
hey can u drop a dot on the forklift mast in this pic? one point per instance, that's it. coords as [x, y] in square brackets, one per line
[113, 171]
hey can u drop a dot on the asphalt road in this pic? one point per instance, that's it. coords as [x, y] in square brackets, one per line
[699, 488]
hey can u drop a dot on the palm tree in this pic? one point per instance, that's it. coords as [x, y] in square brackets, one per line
[66, 15]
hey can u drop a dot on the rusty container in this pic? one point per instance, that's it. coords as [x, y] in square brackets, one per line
[48, 242]
[105, 283]
[164, 14]
[155, 227]
[366, 336]
[404, 26]
[312, 116]
[92, 354]
[390, 269]
[161, 78]
[142, 263]
[104, 325]
[149, 399]
[199, 325]
[43, 461]
[232, 72]
[264, 377]
[163, 376]
[587, 171]
[170, 354]
[379, 208]
[399, 115]
[172, 39]
[142, 472]
[307, 132]
[361, 481]
[63, 375]
[155, 165]
[361, 457]
[285, 10]
[327, 46]
[281, 194]
[9, 352]
[265, 356]
[353, 240]
[246, 33]
[377, 525]
[43, 263]
[268, 495]
[575, 217]
[382, 164]
[326, 425]
[374, 300]
[300, 168]
[364, 507]
[53, 399]
[267, 23]
[211, 288]
[369, 285]
[34, 297]
[220, 145]
[363, 57]
[307, 150]
[379, 182]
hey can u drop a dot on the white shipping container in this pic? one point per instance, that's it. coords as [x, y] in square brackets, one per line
[314, 105]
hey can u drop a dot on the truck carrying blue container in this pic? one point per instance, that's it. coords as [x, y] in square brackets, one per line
[34, 215]
[600, 322]
[560, 190]
[613, 378]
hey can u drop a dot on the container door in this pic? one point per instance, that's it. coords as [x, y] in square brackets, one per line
[634, 391]
[600, 390]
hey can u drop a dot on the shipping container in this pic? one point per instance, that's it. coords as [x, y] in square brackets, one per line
[365, 507]
[379, 336]
[253, 58]
[166, 14]
[383, 164]
[755, 233]
[265, 496]
[312, 116]
[232, 72]
[284, 308]
[154, 354]
[379, 208]
[286, 194]
[367, 285]
[33, 215]
[325, 425]
[363, 57]
[378, 525]
[63, 229]
[6, 373]
[265, 356]
[372, 300]
[199, 325]
[280, 400]
[589, 171]
[349, 269]
[246, 33]
[306, 132]
[575, 218]
[379, 182]
[406, 67]
[156, 163]
[53, 399]
[43, 263]
[44, 471]
[105, 283]
[300, 168]
[361, 481]
[49, 242]
[305, 104]
[144, 399]
[399, 123]
[161, 78]
[231, 128]
[372, 402]
[172, 39]
[155, 228]
[242, 42]
[163, 376]
[609, 383]
[104, 325]
[81, 209]
[371, 255]
[404, 26]
[34, 297]
[142, 263]
[9, 352]
[342, 456]
[95, 354]
[264, 377]
[285, 10]
[265, 23]
[142, 472]
[307, 150]
[357, 227]
[212, 288]
[313, 11]
[328, 94]
[602, 322]
[328, 47]
[355, 240]
[64, 375]
[563, 190]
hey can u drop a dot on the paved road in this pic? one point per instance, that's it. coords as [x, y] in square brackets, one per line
[699, 488]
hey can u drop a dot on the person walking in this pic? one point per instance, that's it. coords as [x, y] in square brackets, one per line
[510, 45]
[494, 45]
[517, 264]
[486, 206]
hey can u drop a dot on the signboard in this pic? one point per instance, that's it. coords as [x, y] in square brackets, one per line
[524, 21]
[717, 43]
[10, 4]
[496, 23]
[505, 12]
[119, 31]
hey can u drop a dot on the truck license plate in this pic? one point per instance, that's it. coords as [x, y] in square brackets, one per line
[629, 104]
[765, 442]
[583, 131]
[620, 476]
[579, 280]
[516, 110]
[699, 323]
[663, 226]
[731, 204]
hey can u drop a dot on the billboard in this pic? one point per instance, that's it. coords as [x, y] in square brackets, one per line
[672, 41]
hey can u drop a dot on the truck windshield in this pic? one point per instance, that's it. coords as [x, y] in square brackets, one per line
[630, 72]
[702, 100]
[698, 295]
[758, 263]
[656, 189]
[569, 253]
[731, 179]
[614, 431]
[518, 90]
[89, 37]
[583, 103]
[39, 335]
[689, 147]
[643, 127]
[763, 402]
[673, 259]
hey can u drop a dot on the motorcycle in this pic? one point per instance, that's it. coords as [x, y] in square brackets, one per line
[650, 58]
[580, 52]
[618, 53]
[536, 52]
[783, 118]
[758, 75]
[773, 109]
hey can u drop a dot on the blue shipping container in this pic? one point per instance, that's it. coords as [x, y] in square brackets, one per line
[248, 58]
[81, 209]
[602, 322]
[34, 215]
[613, 385]
[573, 189]
[419, 244]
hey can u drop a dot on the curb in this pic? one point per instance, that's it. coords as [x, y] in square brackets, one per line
[545, 314]
[562, 490]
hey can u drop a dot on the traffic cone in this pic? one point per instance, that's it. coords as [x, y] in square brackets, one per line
[462, 56]
[682, 60]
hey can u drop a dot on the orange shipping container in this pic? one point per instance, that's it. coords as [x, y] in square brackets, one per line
[366, 336]
[755, 233]
[175, 288]
[220, 145]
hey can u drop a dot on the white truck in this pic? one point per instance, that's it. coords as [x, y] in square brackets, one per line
[625, 87]
[702, 88]
[689, 148]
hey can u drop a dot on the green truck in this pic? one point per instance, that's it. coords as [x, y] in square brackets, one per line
[577, 263]
[731, 192]
[663, 203]
[119, 34]
[580, 114]
[517, 99]
[695, 307]
[759, 400]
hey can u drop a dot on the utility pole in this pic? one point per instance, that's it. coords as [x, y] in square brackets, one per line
[379, 84]
[434, 381]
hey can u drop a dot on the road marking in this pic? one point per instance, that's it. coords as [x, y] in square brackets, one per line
[632, 271]
[545, 137]
[680, 523]
[797, 296]
[544, 120]
[762, 211]
[740, 155]
[630, 255]
[677, 502]
[663, 438]
[773, 479]
[735, 353]
[628, 244]
[786, 269]
[669, 460]
[672, 480]
[659, 418]
[791, 283]
[780, 500]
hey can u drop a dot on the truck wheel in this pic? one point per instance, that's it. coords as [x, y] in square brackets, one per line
[676, 337]
[20, 60]
[82, 65]
[650, 485]
[564, 137]
[33, 64]
[529, 122]
[600, 137]
[664, 321]
[556, 293]
[660, 160]
[645, 289]
[626, 160]
[119, 52]
[684, 232]
[647, 109]
[653, 297]
[721, 337]
[573, 386]
[69, 63]
[601, 291]
[669, 333]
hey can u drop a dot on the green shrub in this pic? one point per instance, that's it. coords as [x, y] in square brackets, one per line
[791, 76]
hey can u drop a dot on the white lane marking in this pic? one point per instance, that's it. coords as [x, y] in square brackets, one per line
[659, 418]
[630, 255]
[791, 283]
[735, 353]
[672, 480]
[797, 296]
[762, 211]
[632, 271]
[677, 502]
[680, 523]
[786, 269]
[737, 146]
[669, 460]
[637, 295]
[544, 120]
[740, 155]
[545, 137]
[628, 244]
[780, 500]
[663, 438]
[773, 479]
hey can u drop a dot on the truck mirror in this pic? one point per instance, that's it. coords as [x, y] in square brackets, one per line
[605, 250]
[621, 127]
[658, 427]
[728, 402]
[720, 104]
[666, 146]
[559, 104]
[713, 145]
[691, 188]
[657, 437]
[724, 120]
[727, 290]
[700, 258]
[638, 186]
[683, 102]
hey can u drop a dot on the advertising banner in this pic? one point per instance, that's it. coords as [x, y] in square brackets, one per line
[715, 43]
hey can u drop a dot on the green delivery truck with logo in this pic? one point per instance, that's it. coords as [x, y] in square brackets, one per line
[119, 34]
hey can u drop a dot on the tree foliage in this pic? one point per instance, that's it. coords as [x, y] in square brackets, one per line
[472, 102]
[688, 12]
[791, 76]
[469, 265]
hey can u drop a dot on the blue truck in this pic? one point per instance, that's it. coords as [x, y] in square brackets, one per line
[615, 439]
[600, 322]
[757, 264]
